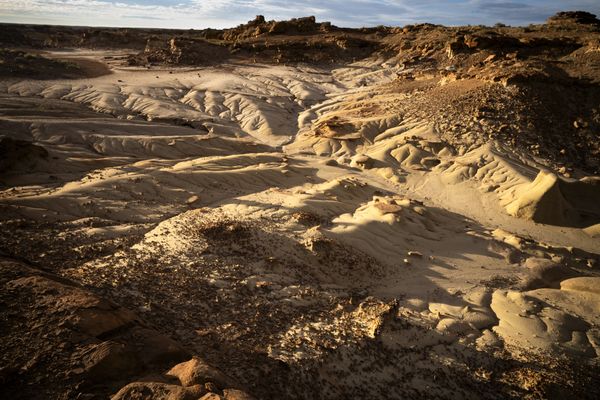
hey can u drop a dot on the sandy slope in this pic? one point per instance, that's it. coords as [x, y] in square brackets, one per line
[290, 225]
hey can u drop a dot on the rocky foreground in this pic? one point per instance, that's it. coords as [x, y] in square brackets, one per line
[288, 209]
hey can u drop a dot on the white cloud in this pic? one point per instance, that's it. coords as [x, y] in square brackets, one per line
[226, 13]
[104, 13]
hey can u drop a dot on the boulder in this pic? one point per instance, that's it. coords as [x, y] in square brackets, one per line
[588, 284]
[197, 372]
[552, 200]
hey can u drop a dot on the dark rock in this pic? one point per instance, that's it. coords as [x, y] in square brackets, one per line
[109, 360]
[156, 348]
[19, 154]
[95, 343]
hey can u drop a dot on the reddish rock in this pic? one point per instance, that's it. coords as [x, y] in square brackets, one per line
[196, 371]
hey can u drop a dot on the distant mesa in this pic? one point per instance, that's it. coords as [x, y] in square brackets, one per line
[573, 17]
[259, 26]
[295, 40]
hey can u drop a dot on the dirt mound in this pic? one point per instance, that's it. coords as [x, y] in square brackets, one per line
[552, 200]
[538, 87]
[20, 64]
[53, 36]
[318, 49]
[116, 38]
[181, 51]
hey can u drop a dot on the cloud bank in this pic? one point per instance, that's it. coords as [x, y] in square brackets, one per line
[227, 13]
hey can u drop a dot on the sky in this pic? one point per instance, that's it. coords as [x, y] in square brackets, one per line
[200, 14]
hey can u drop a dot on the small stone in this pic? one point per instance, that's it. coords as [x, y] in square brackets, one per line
[234, 394]
[211, 396]
[363, 161]
[211, 387]
[191, 200]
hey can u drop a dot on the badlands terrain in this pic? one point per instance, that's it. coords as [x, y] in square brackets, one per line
[292, 210]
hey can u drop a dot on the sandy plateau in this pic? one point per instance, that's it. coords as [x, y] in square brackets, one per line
[295, 229]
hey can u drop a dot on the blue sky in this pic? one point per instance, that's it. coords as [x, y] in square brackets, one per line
[228, 13]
